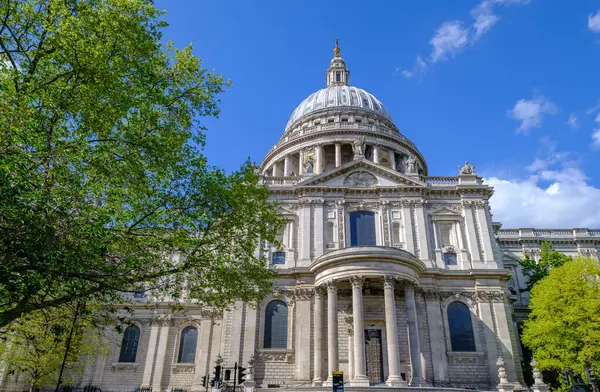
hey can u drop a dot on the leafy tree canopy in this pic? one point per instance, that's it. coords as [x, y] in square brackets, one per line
[536, 271]
[563, 329]
[34, 345]
[103, 185]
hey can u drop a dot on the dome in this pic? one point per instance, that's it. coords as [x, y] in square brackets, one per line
[339, 96]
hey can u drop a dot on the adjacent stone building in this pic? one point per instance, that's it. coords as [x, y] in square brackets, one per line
[386, 273]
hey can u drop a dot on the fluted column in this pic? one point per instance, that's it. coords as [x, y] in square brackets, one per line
[332, 330]
[413, 337]
[338, 154]
[318, 334]
[391, 327]
[360, 360]
[287, 165]
[319, 156]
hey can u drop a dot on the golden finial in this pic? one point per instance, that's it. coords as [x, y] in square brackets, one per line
[336, 50]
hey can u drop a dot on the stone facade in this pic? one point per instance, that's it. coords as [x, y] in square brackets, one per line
[378, 311]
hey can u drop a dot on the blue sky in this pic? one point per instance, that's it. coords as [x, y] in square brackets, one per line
[512, 86]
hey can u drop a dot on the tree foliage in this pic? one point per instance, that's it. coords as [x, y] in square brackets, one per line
[34, 345]
[103, 185]
[537, 270]
[563, 329]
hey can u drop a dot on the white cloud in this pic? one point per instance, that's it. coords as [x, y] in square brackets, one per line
[596, 133]
[530, 112]
[596, 138]
[568, 201]
[484, 18]
[448, 39]
[594, 22]
[572, 121]
[419, 67]
[452, 36]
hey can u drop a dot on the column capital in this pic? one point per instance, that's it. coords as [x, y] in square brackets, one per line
[357, 281]
[332, 286]
[389, 282]
[319, 292]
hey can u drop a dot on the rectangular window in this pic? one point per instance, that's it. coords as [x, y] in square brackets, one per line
[338, 77]
[362, 229]
[278, 258]
[450, 258]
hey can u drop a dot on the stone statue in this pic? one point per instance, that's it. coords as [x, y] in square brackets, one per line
[467, 169]
[358, 146]
[309, 163]
[411, 165]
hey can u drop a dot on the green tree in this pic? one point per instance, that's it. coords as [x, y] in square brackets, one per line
[103, 185]
[536, 271]
[34, 345]
[563, 329]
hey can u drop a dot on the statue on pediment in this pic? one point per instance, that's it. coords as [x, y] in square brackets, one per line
[410, 164]
[358, 146]
[467, 169]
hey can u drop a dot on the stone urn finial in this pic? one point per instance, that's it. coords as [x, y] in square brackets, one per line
[538, 382]
[504, 385]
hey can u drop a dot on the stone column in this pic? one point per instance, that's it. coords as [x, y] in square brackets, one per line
[392, 159]
[332, 330]
[161, 354]
[287, 165]
[318, 169]
[391, 327]
[376, 153]
[350, 352]
[338, 154]
[413, 337]
[275, 168]
[318, 336]
[360, 360]
[301, 162]
[149, 363]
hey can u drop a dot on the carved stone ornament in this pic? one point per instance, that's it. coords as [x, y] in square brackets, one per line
[591, 253]
[303, 294]
[466, 169]
[186, 368]
[118, 366]
[489, 296]
[277, 356]
[360, 179]
[320, 292]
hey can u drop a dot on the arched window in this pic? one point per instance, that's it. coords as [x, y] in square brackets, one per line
[129, 345]
[187, 345]
[362, 228]
[461, 328]
[276, 325]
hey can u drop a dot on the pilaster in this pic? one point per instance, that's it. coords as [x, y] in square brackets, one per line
[149, 363]
[436, 336]
[319, 226]
[161, 353]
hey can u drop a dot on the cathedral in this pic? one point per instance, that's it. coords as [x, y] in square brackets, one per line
[390, 275]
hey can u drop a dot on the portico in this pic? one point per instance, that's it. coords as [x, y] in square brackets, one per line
[393, 270]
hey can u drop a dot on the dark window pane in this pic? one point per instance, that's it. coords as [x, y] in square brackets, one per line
[461, 329]
[278, 257]
[450, 258]
[129, 345]
[362, 228]
[276, 325]
[187, 345]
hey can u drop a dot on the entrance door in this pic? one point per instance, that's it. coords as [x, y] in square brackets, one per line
[374, 356]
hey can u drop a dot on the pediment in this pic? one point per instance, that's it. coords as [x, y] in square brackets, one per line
[444, 213]
[362, 173]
